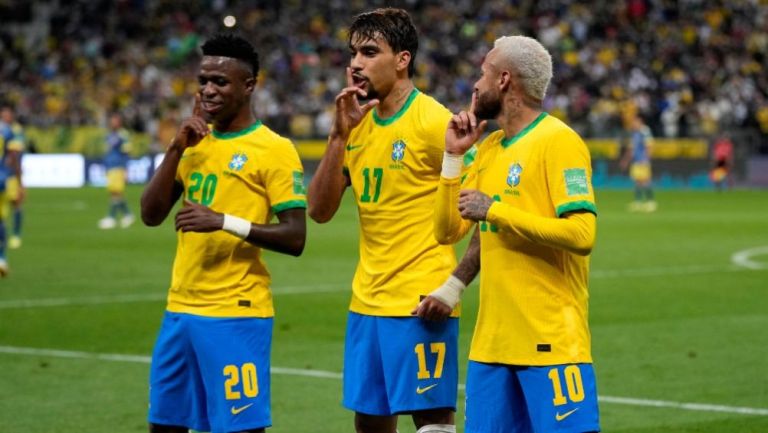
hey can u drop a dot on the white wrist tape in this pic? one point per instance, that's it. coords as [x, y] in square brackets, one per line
[451, 165]
[236, 226]
[450, 292]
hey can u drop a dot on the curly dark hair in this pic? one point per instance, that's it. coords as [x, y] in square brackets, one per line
[236, 47]
[393, 25]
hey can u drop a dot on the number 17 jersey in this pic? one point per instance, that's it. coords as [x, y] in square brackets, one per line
[394, 166]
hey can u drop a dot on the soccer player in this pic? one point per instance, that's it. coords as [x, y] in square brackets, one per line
[722, 162]
[389, 150]
[115, 162]
[529, 191]
[10, 177]
[12, 136]
[638, 158]
[210, 365]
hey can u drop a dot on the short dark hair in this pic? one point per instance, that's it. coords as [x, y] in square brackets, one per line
[236, 47]
[392, 24]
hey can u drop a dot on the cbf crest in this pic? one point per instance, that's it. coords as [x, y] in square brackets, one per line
[513, 175]
[398, 150]
[238, 161]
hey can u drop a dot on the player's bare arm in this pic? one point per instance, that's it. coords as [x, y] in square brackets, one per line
[439, 305]
[287, 236]
[163, 191]
[328, 183]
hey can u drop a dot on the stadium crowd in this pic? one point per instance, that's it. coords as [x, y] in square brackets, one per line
[689, 67]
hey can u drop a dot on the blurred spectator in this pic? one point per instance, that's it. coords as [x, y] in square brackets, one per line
[690, 67]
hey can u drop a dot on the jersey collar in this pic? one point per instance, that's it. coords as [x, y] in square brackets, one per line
[235, 134]
[506, 142]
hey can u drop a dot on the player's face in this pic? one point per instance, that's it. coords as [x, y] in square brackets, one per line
[115, 122]
[488, 104]
[374, 66]
[225, 87]
[6, 115]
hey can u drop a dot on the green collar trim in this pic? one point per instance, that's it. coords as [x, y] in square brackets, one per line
[235, 134]
[388, 121]
[506, 142]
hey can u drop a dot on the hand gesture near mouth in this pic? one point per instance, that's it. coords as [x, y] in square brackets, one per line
[349, 112]
[192, 129]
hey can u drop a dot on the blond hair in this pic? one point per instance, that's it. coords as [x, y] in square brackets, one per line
[531, 61]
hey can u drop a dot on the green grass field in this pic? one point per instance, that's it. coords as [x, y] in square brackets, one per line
[680, 332]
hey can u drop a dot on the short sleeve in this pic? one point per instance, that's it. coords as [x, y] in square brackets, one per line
[569, 174]
[284, 179]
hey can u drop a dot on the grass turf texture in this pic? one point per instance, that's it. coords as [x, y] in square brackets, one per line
[672, 318]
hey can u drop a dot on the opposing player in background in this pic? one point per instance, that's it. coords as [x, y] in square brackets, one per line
[389, 150]
[11, 191]
[637, 157]
[529, 190]
[210, 366]
[12, 135]
[115, 163]
[722, 162]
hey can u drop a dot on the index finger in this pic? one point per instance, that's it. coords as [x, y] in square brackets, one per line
[350, 81]
[197, 111]
[473, 104]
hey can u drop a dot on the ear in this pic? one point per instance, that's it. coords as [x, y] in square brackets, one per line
[505, 81]
[250, 84]
[403, 60]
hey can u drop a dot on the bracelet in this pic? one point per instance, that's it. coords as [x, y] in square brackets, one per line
[451, 165]
[236, 226]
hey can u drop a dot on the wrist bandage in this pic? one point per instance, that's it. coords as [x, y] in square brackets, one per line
[451, 165]
[236, 226]
[450, 292]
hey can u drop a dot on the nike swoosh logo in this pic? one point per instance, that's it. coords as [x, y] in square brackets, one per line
[559, 417]
[237, 410]
[420, 390]
[350, 147]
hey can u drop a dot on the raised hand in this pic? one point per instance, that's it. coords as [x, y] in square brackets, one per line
[191, 130]
[349, 112]
[195, 217]
[464, 130]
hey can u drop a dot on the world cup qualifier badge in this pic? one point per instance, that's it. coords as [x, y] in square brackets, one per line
[398, 150]
[513, 176]
[238, 161]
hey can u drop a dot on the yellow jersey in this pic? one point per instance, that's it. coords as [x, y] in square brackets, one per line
[533, 297]
[252, 174]
[394, 167]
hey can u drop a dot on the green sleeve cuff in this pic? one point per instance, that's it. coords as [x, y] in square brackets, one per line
[576, 206]
[292, 204]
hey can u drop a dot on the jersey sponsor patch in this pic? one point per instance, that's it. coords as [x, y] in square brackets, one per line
[576, 181]
[298, 183]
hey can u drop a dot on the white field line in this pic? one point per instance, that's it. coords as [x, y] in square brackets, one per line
[148, 297]
[11, 350]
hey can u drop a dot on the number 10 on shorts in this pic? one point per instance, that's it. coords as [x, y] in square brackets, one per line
[573, 385]
[435, 348]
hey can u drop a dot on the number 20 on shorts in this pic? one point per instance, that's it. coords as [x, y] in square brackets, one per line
[241, 379]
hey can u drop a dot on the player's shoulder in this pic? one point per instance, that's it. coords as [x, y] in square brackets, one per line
[557, 131]
[430, 110]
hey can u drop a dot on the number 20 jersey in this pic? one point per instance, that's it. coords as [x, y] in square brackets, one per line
[253, 174]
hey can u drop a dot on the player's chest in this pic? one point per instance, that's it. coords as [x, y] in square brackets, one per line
[510, 173]
[209, 176]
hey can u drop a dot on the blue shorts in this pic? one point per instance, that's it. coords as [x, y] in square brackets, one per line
[399, 364]
[211, 374]
[515, 399]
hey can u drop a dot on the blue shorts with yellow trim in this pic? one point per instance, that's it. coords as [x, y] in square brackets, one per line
[211, 373]
[399, 364]
[116, 178]
[518, 399]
